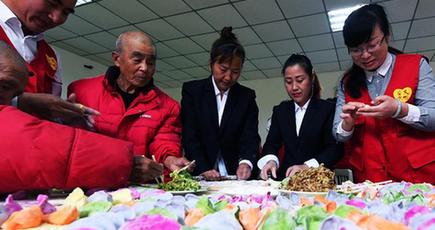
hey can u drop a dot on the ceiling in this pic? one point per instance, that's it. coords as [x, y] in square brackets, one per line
[270, 30]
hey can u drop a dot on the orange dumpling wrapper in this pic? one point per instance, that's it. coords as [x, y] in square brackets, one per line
[250, 218]
[193, 216]
[321, 199]
[379, 223]
[305, 202]
[432, 201]
[64, 215]
[27, 218]
[331, 206]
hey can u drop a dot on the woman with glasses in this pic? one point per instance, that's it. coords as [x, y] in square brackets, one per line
[385, 110]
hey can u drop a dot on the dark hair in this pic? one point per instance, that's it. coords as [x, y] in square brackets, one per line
[226, 47]
[358, 29]
[305, 63]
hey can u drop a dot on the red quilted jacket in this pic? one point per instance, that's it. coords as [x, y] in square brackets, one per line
[152, 121]
[38, 154]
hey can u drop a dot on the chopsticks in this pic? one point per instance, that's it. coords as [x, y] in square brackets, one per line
[161, 176]
[185, 167]
[355, 188]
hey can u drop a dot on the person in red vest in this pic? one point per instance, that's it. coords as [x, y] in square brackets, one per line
[22, 23]
[385, 110]
[30, 159]
[132, 108]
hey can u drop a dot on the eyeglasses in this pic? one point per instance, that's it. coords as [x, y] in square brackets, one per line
[370, 48]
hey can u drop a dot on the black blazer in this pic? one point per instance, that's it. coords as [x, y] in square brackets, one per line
[237, 137]
[315, 138]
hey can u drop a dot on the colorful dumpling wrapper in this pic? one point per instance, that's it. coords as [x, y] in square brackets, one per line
[93, 207]
[76, 198]
[26, 218]
[65, 214]
[146, 222]
[46, 207]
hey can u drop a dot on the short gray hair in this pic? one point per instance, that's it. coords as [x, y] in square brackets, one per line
[120, 40]
[118, 43]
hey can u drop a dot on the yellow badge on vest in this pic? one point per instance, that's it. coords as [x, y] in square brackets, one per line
[52, 62]
[403, 94]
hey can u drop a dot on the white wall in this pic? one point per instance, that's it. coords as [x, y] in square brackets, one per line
[73, 69]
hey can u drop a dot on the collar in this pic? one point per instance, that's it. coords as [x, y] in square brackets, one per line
[217, 92]
[304, 107]
[112, 74]
[6, 14]
[9, 18]
[382, 70]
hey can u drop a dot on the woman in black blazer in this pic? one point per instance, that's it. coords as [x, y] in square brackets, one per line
[220, 116]
[302, 125]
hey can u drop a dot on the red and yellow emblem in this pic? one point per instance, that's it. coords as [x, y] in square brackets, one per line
[52, 62]
[403, 94]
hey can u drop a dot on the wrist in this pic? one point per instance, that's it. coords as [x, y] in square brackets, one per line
[346, 126]
[404, 111]
[168, 160]
[272, 162]
[398, 111]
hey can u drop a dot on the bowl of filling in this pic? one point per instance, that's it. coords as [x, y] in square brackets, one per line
[309, 182]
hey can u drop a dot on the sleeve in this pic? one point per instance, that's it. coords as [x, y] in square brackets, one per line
[38, 154]
[167, 141]
[274, 139]
[193, 148]
[332, 151]
[250, 140]
[98, 161]
[337, 131]
[425, 98]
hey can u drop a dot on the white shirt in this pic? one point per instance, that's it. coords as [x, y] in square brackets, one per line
[220, 102]
[299, 117]
[413, 111]
[25, 45]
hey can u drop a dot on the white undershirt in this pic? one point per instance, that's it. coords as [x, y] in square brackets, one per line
[221, 102]
[299, 117]
[26, 46]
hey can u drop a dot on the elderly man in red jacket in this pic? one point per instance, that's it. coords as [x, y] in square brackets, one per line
[132, 108]
[37, 154]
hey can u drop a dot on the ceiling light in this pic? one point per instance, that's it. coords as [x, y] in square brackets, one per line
[81, 2]
[338, 16]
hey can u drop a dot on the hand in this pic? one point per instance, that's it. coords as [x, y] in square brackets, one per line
[145, 169]
[383, 107]
[270, 167]
[294, 169]
[89, 113]
[51, 107]
[243, 171]
[349, 113]
[175, 163]
[211, 175]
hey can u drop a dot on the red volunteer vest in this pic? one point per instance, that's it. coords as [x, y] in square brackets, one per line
[43, 67]
[388, 149]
